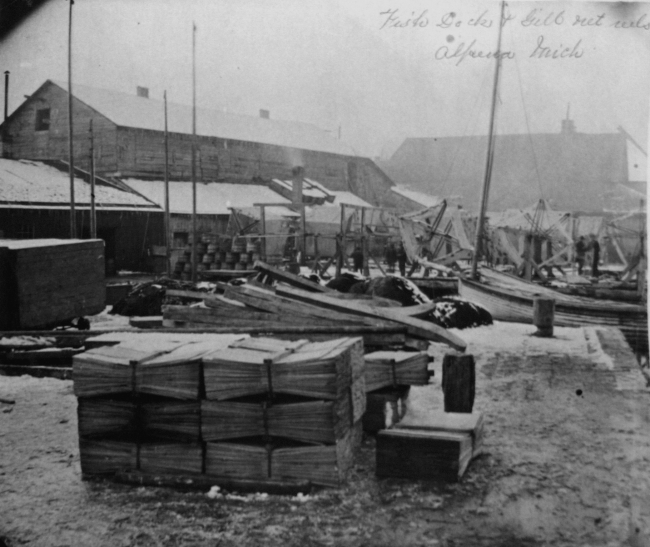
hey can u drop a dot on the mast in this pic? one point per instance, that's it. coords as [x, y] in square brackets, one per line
[480, 226]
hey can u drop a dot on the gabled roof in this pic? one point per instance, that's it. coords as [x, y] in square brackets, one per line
[127, 110]
[421, 198]
[28, 184]
[572, 170]
[212, 198]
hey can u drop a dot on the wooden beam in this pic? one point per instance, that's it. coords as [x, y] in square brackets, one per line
[415, 327]
[290, 279]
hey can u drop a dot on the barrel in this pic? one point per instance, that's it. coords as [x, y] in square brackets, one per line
[208, 258]
[543, 316]
[212, 248]
[238, 245]
[244, 258]
[215, 266]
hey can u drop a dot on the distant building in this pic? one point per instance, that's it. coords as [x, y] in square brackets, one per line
[573, 171]
[129, 141]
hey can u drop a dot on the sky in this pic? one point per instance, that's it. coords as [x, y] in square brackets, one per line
[372, 71]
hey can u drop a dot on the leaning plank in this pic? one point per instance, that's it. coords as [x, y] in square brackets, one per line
[290, 279]
[415, 327]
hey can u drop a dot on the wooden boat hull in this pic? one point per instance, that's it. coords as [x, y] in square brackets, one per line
[513, 301]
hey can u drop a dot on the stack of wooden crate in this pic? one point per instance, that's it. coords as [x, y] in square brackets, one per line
[255, 409]
[389, 377]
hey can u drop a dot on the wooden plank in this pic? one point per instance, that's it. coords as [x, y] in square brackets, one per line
[415, 327]
[272, 302]
[290, 279]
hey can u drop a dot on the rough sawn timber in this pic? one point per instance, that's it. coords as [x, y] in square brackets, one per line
[414, 327]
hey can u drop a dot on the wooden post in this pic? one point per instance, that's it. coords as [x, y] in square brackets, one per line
[364, 244]
[543, 314]
[93, 212]
[168, 238]
[263, 233]
[73, 213]
[458, 382]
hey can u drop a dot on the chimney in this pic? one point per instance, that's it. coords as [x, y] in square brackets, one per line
[297, 175]
[265, 114]
[143, 92]
[6, 94]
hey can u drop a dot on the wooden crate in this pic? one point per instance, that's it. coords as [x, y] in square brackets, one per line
[393, 368]
[455, 422]
[50, 281]
[303, 420]
[326, 465]
[419, 454]
[107, 456]
[106, 417]
[320, 370]
[169, 419]
[171, 458]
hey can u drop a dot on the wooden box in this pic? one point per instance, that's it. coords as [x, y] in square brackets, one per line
[395, 368]
[107, 456]
[180, 458]
[102, 417]
[326, 465]
[317, 421]
[454, 422]
[420, 454]
[320, 370]
[169, 419]
[45, 282]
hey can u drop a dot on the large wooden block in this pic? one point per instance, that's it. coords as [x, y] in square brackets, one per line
[171, 458]
[107, 456]
[50, 281]
[418, 454]
[453, 422]
[385, 408]
[393, 368]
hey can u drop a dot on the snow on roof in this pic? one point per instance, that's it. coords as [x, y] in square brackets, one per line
[128, 110]
[310, 188]
[349, 199]
[212, 198]
[418, 197]
[33, 184]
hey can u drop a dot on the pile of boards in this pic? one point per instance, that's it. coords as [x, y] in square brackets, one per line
[297, 307]
[231, 407]
[437, 446]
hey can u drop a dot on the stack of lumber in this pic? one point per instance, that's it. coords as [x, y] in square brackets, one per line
[282, 410]
[50, 281]
[255, 409]
[389, 375]
[438, 446]
[299, 306]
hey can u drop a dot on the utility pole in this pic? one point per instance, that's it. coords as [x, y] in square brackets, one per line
[167, 222]
[194, 254]
[93, 214]
[73, 217]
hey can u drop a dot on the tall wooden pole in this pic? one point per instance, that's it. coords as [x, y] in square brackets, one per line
[93, 213]
[194, 255]
[73, 218]
[490, 157]
[167, 222]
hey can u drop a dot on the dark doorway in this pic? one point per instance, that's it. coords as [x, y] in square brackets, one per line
[108, 235]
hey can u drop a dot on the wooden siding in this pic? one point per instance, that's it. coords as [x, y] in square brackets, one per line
[132, 233]
[22, 141]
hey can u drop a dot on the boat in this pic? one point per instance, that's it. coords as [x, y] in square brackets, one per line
[510, 298]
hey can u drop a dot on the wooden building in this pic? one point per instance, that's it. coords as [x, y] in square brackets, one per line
[129, 141]
[35, 203]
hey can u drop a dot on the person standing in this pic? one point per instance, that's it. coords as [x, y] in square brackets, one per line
[401, 259]
[581, 250]
[595, 259]
[391, 257]
[357, 259]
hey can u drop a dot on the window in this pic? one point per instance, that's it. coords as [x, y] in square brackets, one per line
[180, 239]
[43, 119]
